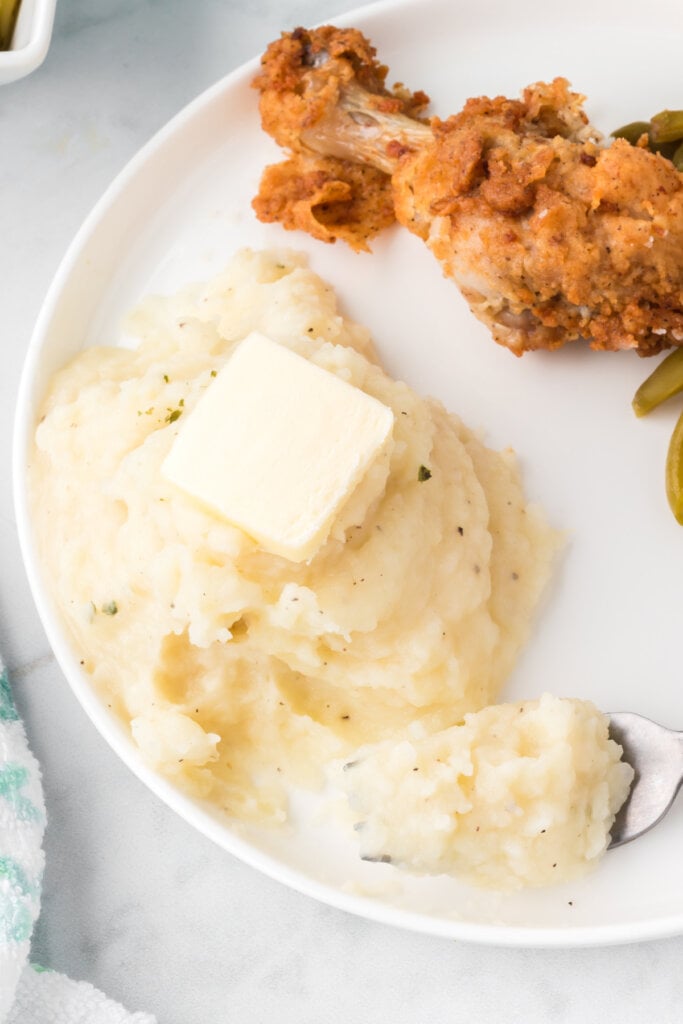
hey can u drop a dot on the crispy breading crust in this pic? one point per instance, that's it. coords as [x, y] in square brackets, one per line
[550, 235]
[293, 94]
[326, 197]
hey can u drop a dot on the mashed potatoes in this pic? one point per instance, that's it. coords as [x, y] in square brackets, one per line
[240, 672]
[519, 794]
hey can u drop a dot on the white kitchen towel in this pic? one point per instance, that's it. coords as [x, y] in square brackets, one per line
[44, 997]
[30, 995]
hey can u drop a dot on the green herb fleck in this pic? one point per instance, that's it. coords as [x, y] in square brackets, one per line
[213, 373]
[423, 474]
[173, 415]
[110, 609]
[165, 378]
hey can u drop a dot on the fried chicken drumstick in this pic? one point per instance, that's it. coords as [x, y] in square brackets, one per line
[549, 234]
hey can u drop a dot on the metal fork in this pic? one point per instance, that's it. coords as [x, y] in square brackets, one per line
[656, 755]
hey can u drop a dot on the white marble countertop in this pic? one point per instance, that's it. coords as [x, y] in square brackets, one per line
[134, 900]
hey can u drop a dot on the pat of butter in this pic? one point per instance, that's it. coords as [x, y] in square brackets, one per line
[276, 445]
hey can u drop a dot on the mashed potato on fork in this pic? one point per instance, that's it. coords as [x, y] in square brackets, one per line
[243, 673]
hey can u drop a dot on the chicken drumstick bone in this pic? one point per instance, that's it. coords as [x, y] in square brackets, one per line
[549, 234]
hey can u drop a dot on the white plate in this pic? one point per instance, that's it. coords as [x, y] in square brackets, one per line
[610, 628]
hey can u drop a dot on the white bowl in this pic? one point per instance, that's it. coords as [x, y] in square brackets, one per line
[31, 40]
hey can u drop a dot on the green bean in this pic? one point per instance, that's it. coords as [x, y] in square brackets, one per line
[666, 149]
[664, 382]
[667, 126]
[664, 134]
[674, 471]
[632, 132]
